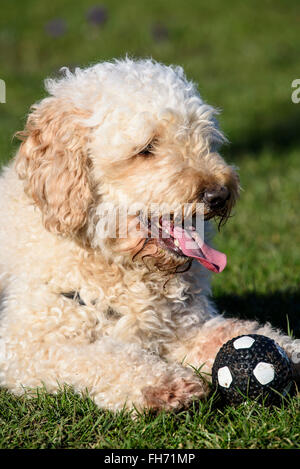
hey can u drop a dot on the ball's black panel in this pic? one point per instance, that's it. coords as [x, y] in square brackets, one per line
[241, 363]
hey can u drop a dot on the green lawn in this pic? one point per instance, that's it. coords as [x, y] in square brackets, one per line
[244, 55]
[68, 421]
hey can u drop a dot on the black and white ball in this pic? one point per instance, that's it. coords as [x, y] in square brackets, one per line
[252, 366]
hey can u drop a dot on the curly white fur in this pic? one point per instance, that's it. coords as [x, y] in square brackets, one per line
[129, 339]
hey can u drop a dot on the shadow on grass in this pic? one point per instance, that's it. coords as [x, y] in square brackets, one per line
[280, 308]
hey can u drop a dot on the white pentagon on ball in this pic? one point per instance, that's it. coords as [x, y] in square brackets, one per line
[224, 377]
[243, 342]
[264, 372]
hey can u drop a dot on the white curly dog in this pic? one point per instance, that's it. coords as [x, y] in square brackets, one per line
[115, 315]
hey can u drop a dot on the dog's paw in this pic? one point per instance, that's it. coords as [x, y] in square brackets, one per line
[174, 393]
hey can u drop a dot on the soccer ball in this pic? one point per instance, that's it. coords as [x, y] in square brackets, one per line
[252, 366]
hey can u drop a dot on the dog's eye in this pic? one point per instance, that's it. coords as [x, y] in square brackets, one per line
[148, 150]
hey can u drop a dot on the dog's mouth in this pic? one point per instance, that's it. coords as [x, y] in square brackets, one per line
[187, 243]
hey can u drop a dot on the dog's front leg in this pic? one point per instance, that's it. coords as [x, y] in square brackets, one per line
[200, 347]
[46, 341]
[115, 375]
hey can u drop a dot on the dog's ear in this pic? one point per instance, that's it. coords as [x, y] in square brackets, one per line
[53, 162]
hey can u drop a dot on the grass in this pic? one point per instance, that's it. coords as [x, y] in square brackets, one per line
[244, 55]
[68, 421]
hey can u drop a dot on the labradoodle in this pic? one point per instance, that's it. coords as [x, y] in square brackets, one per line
[124, 314]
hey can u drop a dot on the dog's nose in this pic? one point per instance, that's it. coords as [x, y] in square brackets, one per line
[216, 197]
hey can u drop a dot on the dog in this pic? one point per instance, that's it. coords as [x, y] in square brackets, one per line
[126, 317]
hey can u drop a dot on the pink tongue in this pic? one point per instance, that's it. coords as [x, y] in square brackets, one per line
[192, 245]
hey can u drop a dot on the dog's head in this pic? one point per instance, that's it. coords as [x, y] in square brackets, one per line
[127, 133]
